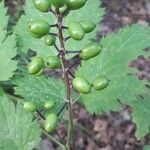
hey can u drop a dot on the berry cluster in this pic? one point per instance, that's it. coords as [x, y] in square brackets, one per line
[41, 29]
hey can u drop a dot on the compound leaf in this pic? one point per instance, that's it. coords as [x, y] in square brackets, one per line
[17, 128]
[118, 49]
[40, 90]
[7, 48]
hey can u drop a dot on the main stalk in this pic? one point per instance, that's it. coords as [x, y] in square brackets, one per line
[70, 136]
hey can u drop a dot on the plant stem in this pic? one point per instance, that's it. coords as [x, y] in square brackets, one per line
[70, 137]
[69, 52]
[84, 129]
[63, 107]
[54, 140]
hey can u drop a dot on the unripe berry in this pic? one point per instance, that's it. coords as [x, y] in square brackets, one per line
[38, 27]
[29, 107]
[76, 31]
[57, 3]
[52, 62]
[49, 40]
[100, 83]
[39, 73]
[42, 5]
[49, 104]
[75, 4]
[91, 50]
[36, 65]
[50, 122]
[82, 85]
[88, 26]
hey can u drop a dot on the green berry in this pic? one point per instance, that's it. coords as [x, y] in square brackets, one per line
[42, 5]
[75, 4]
[76, 31]
[52, 62]
[38, 27]
[49, 40]
[36, 36]
[57, 3]
[49, 104]
[82, 85]
[91, 50]
[50, 122]
[88, 26]
[36, 65]
[29, 107]
[100, 83]
[39, 73]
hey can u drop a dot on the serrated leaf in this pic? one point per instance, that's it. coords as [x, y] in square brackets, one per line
[118, 50]
[7, 48]
[91, 11]
[4, 21]
[17, 126]
[141, 115]
[7, 144]
[24, 38]
[41, 89]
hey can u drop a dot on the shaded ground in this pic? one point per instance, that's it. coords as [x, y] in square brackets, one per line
[112, 131]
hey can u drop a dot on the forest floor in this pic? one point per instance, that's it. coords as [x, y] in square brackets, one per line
[114, 130]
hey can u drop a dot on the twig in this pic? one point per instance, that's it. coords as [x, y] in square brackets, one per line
[55, 34]
[67, 38]
[52, 11]
[58, 136]
[54, 140]
[39, 113]
[84, 129]
[56, 47]
[53, 25]
[71, 74]
[72, 52]
[62, 109]
[65, 12]
[64, 27]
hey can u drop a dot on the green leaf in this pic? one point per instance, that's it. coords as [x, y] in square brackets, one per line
[141, 115]
[40, 89]
[7, 48]
[83, 14]
[146, 147]
[118, 50]
[7, 144]
[4, 21]
[17, 126]
[25, 39]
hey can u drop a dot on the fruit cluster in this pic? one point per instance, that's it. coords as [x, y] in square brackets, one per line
[44, 5]
[51, 119]
[38, 63]
[76, 30]
[82, 85]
